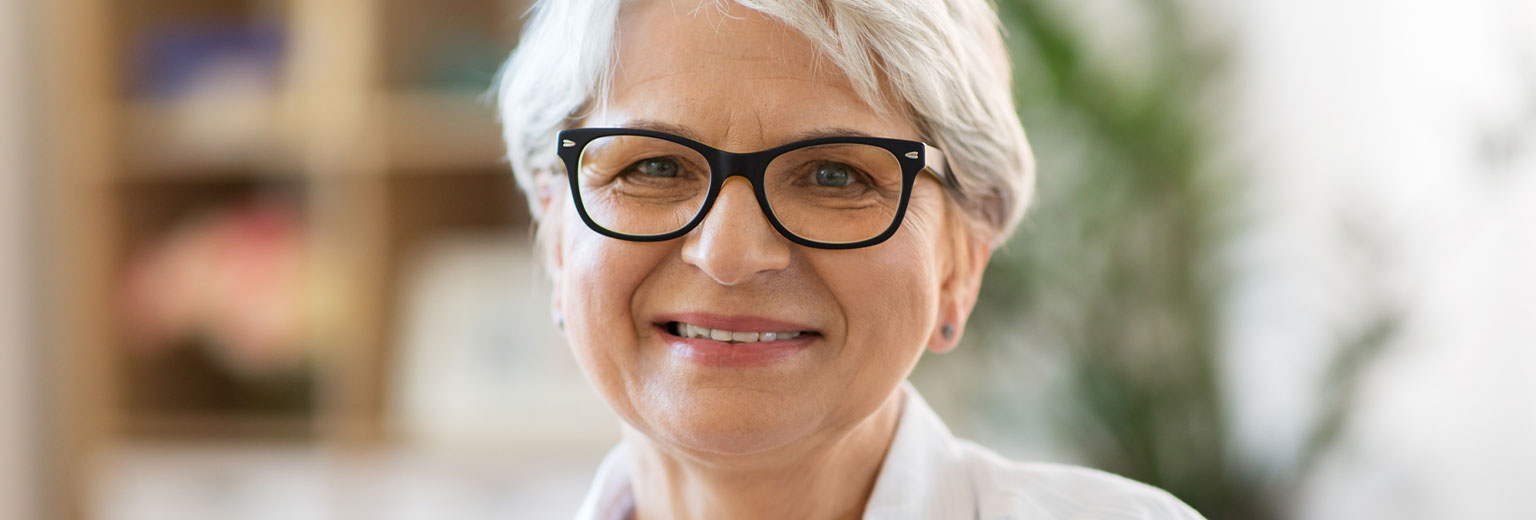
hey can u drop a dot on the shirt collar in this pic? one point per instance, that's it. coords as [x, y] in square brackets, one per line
[922, 476]
[610, 497]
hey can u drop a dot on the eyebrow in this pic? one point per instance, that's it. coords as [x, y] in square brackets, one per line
[661, 126]
[684, 131]
[828, 132]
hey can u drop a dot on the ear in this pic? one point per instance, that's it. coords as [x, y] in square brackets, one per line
[544, 191]
[959, 285]
[547, 234]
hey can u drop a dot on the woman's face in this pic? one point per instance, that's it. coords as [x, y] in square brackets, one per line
[746, 83]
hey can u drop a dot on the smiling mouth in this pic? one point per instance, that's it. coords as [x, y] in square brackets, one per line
[686, 330]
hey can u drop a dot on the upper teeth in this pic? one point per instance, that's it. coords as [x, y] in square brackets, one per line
[694, 331]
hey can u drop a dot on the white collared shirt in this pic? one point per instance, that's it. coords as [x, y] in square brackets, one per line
[930, 474]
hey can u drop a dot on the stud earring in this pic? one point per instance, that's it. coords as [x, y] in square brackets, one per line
[948, 331]
[560, 322]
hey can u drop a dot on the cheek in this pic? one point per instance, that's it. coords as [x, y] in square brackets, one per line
[890, 295]
[597, 274]
[598, 280]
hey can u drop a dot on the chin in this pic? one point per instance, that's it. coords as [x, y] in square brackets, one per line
[728, 421]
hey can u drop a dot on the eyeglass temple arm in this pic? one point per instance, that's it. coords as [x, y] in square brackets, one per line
[935, 164]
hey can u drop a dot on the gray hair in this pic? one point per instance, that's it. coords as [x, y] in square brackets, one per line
[943, 62]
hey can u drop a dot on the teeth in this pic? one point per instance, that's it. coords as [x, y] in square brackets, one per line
[694, 331]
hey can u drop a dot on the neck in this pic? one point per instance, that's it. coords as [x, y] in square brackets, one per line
[829, 478]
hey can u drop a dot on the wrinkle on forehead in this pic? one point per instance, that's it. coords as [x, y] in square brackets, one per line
[782, 52]
[754, 123]
[726, 21]
[741, 79]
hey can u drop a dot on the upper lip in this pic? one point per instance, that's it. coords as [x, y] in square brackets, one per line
[734, 323]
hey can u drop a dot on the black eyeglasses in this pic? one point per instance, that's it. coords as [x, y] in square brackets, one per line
[829, 193]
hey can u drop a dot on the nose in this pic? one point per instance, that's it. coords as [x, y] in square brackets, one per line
[735, 242]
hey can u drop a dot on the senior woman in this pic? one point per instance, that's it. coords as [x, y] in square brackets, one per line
[757, 215]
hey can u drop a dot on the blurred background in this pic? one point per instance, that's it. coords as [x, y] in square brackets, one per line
[262, 259]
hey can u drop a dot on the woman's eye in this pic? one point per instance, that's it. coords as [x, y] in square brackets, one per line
[658, 167]
[833, 175]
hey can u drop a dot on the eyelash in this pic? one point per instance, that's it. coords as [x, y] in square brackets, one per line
[685, 170]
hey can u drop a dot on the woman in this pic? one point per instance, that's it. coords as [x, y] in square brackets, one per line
[757, 215]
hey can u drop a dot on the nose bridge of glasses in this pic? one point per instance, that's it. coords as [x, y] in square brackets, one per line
[730, 164]
[750, 168]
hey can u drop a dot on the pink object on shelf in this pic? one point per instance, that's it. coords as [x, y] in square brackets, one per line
[236, 279]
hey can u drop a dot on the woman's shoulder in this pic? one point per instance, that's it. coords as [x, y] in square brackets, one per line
[1013, 489]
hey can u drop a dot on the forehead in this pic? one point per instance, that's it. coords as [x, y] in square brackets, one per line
[736, 78]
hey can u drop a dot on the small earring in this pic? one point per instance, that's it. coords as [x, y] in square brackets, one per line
[560, 322]
[948, 331]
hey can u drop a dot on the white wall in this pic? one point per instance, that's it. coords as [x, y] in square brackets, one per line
[16, 391]
[1416, 122]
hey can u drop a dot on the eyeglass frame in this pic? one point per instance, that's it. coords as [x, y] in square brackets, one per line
[914, 156]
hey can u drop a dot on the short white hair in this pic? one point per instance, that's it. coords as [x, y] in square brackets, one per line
[942, 61]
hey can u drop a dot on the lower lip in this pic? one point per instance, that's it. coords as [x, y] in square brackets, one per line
[708, 352]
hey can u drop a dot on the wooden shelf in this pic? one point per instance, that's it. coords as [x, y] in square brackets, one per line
[441, 130]
[424, 130]
[223, 428]
[169, 138]
[370, 130]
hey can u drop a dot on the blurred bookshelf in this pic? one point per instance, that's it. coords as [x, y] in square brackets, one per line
[239, 185]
